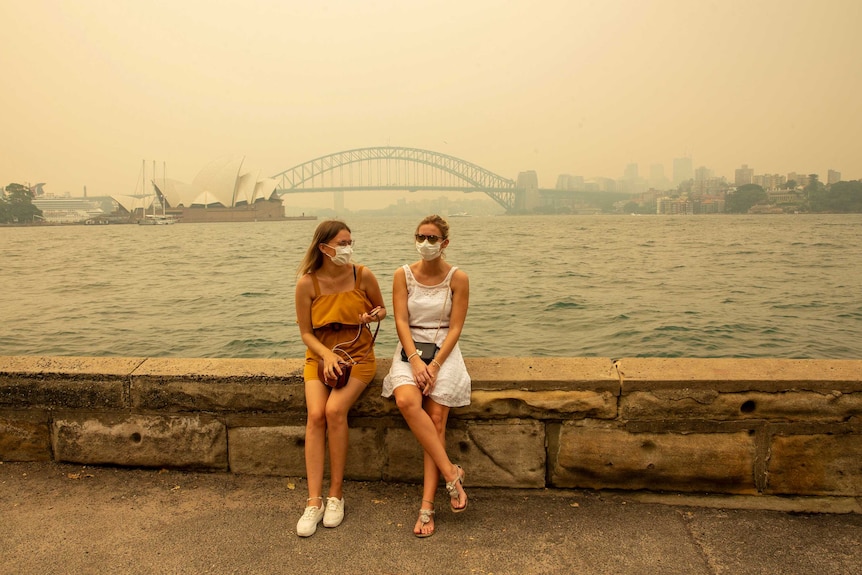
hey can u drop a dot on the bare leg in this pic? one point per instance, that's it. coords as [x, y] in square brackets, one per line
[316, 395]
[439, 415]
[339, 404]
[409, 400]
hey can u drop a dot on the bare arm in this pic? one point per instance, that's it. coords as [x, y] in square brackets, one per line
[372, 290]
[460, 302]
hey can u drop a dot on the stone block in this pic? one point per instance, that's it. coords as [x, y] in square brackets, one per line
[280, 450]
[62, 367]
[739, 375]
[216, 396]
[221, 369]
[277, 450]
[544, 373]
[218, 385]
[499, 454]
[402, 456]
[548, 404]
[194, 441]
[602, 457]
[709, 404]
[64, 382]
[364, 455]
[817, 464]
[24, 436]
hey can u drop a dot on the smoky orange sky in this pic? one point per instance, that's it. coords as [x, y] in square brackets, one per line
[92, 88]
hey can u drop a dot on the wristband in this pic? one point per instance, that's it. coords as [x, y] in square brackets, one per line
[409, 357]
[435, 362]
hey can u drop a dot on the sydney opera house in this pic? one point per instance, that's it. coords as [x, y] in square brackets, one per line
[221, 192]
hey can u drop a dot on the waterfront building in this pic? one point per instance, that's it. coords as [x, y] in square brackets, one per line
[221, 192]
[674, 206]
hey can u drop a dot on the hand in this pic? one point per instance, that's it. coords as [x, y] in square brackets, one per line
[370, 316]
[423, 376]
[332, 365]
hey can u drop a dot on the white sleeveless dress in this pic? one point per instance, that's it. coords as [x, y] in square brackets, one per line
[429, 307]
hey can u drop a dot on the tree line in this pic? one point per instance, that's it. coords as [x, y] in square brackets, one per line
[840, 197]
[16, 205]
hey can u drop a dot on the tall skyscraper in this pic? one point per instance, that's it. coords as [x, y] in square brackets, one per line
[743, 175]
[832, 177]
[656, 177]
[683, 170]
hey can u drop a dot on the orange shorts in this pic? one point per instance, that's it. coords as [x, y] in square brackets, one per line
[363, 371]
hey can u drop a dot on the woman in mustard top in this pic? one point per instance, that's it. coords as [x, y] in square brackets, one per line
[334, 299]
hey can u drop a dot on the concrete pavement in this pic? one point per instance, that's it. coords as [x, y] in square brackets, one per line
[60, 518]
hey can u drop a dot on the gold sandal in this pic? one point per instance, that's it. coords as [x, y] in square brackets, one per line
[425, 519]
[452, 490]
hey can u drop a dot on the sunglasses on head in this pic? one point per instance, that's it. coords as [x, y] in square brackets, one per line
[431, 239]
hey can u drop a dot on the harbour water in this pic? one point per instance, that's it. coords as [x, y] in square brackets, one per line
[604, 286]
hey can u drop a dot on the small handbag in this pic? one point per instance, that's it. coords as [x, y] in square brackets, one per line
[338, 381]
[426, 350]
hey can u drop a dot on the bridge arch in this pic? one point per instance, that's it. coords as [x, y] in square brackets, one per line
[395, 168]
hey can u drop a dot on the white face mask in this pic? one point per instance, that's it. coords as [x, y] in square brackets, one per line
[342, 254]
[429, 251]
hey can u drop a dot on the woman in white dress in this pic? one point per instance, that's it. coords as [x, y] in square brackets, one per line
[430, 299]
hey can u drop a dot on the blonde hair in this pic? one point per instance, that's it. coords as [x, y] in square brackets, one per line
[313, 259]
[436, 220]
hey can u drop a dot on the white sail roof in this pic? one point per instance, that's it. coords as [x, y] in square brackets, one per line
[132, 203]
[220, 183]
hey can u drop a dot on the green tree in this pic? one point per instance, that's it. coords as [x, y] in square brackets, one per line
[840, 197]
[740, 201]
[814, 192]
[790, 185]
[4, 208]
[18, 205]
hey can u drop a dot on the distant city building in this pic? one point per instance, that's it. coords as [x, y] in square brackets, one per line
[743, 176]
[674, 206]
[769, 181]
[657, 179]
[709, 204]
[528, 181]
[706, 183]
[569, 182]
[800, 179]
[702, 174]
[603, 185]
[682, 170]
[784, 196]
[833, 177]
[631, 172]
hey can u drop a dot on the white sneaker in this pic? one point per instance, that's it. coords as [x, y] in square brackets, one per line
[307, 524]
[334, 512]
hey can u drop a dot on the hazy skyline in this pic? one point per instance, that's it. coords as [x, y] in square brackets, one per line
[585, 88]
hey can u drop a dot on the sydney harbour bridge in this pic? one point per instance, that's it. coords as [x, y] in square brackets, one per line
[407, 169]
